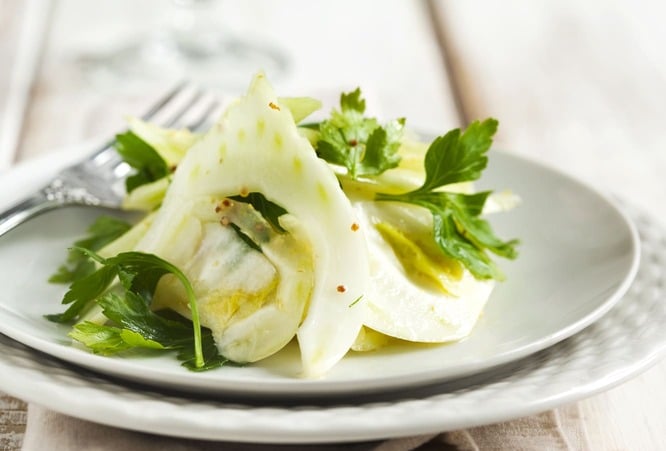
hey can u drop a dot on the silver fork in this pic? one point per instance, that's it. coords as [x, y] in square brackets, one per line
[99, 179]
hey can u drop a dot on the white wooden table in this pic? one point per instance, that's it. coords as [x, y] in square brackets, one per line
[579, 85]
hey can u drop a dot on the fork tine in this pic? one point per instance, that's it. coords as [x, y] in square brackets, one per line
[205, 114]
[107, 156]
[184, 109]
[158, 106]
[161, 103]
[210, 105]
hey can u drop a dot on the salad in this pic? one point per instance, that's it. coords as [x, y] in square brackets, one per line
[343, 234]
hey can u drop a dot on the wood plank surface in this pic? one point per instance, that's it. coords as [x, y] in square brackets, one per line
[12, 14]
[13, 418]
[581, 86]
[12, 411]
[21, 43]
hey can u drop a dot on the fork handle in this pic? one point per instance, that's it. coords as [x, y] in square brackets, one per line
[29, 208]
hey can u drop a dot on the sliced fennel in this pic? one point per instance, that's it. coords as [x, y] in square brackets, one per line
[170, 144]
[417, 293]
[300, 107]
[256, 147]
[252, 301]
[147, 197]
[413, 296]
[341, 259]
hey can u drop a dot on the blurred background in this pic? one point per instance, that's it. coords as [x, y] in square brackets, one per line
[577, 85]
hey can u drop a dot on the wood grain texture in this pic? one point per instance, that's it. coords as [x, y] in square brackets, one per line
[581, 86]
[23, 50]
[12, 410]
[13, 419]
[12, 14]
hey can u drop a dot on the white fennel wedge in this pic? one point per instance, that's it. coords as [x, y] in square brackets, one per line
[415, 296]
[256, 148]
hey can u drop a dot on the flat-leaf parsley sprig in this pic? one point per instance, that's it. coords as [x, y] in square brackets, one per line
[356, 142]
[458, 229]
[138, 274]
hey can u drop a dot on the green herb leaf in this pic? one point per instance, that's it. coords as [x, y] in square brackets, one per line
[132, 312]
[108, 340]
[352, 101]
[141, 328]
[139, 274]
[457, 157]
[83, 292]
[212, 357]
[269, 210]
[103, 231]
[381, 149]
[356, 142]
[458, 228]
[141, 156]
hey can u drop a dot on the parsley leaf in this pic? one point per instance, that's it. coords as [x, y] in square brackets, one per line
[138, 274]
[269, 210]
[458, 228]
[139, 327]
[140, 155]
[83, 292]
[352, 101]
[356, 142]
[108, 340]
[211, 355]
[381, 149]
[103, 231]
[457, 157]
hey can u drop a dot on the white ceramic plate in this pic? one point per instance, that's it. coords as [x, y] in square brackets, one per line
[579, 254]
[627, 340]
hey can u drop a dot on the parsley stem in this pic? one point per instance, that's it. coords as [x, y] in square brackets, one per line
[390, 197]
[194, 310]
[355, 159]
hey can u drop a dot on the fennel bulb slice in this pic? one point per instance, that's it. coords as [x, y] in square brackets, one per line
[414, 295]
[256, 147]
